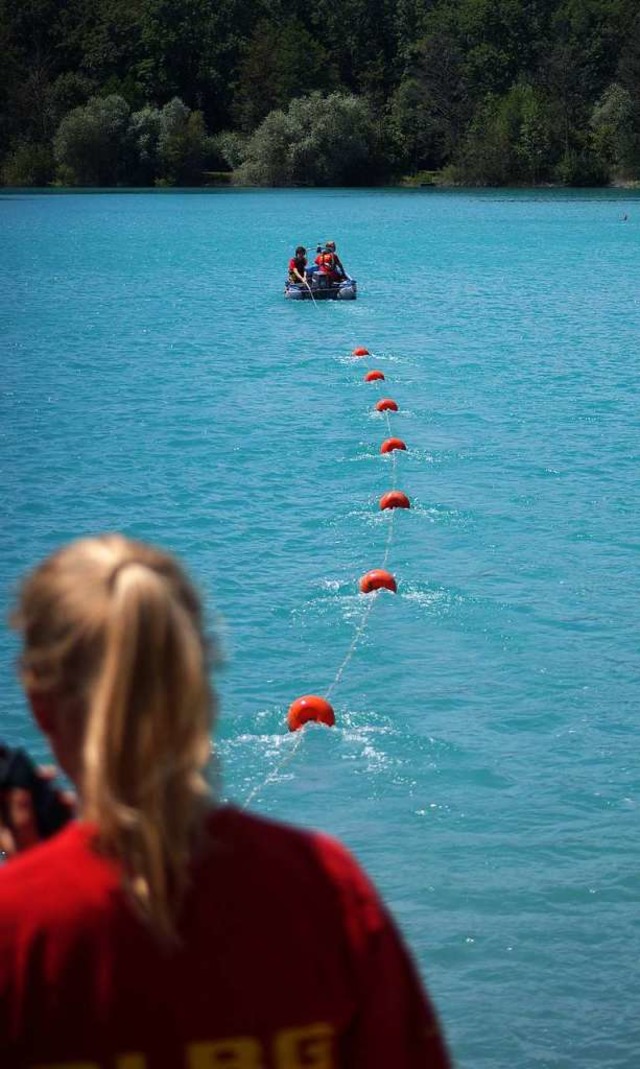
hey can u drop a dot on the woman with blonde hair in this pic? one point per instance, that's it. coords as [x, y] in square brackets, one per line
[159, 929]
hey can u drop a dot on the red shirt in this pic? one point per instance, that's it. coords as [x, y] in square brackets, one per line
[297, 265]
[288, 961]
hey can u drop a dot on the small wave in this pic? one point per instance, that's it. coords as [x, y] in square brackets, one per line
[429, 597]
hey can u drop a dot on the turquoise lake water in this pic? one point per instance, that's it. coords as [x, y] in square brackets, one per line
[484, 766]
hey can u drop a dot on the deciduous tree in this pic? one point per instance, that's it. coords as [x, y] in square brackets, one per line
[317, 141]
[92, 145]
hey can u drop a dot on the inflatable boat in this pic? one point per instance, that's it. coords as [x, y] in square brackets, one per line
[320, 288]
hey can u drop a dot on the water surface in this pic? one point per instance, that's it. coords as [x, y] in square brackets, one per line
[484, 766]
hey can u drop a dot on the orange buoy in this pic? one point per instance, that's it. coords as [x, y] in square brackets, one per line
[395, 499]
[360, 351]
[310, 707]
[376, 579]
[390, 444]
[373, 376]
[386, 404]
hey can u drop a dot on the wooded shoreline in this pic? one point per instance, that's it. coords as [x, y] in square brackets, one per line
[472, 93]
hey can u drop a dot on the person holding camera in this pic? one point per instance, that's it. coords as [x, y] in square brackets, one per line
[160, 929]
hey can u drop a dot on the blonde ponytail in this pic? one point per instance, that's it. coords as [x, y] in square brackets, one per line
[115, 626]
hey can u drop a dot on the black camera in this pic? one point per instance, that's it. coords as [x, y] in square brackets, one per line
[18, 770]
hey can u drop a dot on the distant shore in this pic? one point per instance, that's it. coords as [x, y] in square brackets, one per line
[225, 180]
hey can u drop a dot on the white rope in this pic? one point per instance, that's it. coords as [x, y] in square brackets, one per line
[352, 648]
[274, 771]
[389, 539]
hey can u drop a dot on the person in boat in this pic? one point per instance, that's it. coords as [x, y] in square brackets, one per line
[329, 262]
[298, 266]
[161, 921]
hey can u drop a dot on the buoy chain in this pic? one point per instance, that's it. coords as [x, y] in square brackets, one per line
[313, 706]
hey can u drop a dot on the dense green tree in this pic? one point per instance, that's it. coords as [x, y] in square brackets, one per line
[231, 146]
[30, 36]
[102, 41]
[279, 64]
[360, 37]
[144, 135]
[615, 134]
[534, 136]
[581, 62]
[191, 49]
[501, 40]
[176, 35]
[317, 141]
[509, 140]
[92, 143]
[102, 143]
[28, 165]
[10, 71]
[415, 134]
[430, 106]
[502, 90]
[581, 167]
[487, 157]
[628, 70]
[68, 91]
[182, 144]
[628, 76]
[409, 26]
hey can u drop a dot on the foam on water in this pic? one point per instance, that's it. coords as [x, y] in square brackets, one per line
[483, 763]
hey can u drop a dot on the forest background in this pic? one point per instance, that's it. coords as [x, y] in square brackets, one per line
[316, 92]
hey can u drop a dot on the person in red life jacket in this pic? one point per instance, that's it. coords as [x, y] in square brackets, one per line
[329, 262]
[160, 928]
[298, 265]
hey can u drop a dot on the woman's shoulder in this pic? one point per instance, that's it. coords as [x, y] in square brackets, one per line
[308, 855]
[266, 833]
[60, 868]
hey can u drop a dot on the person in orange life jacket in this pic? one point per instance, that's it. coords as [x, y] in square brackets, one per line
[161, 922]
[329, 262]
[298, 265]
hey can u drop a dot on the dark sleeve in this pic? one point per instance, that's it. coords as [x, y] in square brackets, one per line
[394, 1025]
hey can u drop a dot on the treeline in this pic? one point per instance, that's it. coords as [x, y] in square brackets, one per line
[319, 92]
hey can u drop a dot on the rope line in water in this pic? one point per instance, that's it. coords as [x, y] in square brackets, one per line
[324, 711]
[365, 618]
[350, 652]
[387, 551]
[274, 771]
